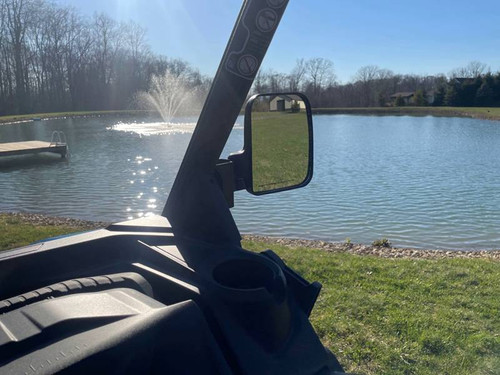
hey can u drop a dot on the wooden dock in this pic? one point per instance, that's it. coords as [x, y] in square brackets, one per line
[32, 147]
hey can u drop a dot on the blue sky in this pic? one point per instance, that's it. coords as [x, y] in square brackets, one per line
[422, 37]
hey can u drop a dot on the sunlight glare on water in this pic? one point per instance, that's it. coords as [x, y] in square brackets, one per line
[154, 128]
[420, 181]
[157, 128]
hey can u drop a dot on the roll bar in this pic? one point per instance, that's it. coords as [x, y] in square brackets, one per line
[196, 206]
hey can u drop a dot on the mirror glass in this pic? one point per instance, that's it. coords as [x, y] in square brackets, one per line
[280, 142]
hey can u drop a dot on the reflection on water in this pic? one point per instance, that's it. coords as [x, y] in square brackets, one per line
[423, 182]
[154, 128]
[157, 128]
[30, 161]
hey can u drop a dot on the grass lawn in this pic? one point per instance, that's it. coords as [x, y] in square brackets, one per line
[14, 232]
[15, 118]
[404, 316]
[280, 149]
[378, 315]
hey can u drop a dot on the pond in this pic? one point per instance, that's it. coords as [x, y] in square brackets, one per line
[423, 182]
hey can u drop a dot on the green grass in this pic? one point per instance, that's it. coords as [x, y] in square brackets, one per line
[488, 113]
[15, 118]
[14, 232]
[404, 316]
[379, 315]
[280, 149]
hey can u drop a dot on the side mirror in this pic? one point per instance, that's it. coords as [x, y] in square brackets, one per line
[278, 144]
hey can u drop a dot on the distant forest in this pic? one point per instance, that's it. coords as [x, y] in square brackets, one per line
[54, 59]
[470, 86]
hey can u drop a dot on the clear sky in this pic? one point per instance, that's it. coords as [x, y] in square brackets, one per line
[422, 37]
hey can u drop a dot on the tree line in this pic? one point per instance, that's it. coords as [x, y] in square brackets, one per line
[54, 59]
[372, 86]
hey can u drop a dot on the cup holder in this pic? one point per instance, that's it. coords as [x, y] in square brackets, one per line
[244, 274]
[253, 289]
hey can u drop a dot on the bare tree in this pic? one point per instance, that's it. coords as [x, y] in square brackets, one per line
[365, 77]
[471, 70]
[18, 15]
[105, 47]
[134, 37]
[296, 77]
[320, 72]
[259, 83]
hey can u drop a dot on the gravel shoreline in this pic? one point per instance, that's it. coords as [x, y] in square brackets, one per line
[383, 252]
[358, 249]
[38, 219]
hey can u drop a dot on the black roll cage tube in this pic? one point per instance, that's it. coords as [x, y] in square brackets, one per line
[197, 207]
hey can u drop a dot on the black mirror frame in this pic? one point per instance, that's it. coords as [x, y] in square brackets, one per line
[247, 144]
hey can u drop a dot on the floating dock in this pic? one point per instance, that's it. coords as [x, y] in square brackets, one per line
[32, 147]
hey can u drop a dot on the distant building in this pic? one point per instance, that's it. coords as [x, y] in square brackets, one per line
[462, 80]
[284, 103]
[408, 97]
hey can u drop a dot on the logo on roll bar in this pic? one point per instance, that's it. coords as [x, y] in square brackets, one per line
[276, 3]
[266, 20]
[247, 64]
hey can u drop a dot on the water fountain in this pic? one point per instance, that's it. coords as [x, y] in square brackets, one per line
[169, 94]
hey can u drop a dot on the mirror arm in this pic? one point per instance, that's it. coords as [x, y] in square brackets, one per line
[224, 174]
[241, 169]
[230, 175]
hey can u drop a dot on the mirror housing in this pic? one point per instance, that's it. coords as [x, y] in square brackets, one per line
[278, 144]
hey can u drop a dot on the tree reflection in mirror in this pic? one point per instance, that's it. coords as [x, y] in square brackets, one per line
[280, 142]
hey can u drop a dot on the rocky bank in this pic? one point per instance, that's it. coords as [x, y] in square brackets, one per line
[358, 249]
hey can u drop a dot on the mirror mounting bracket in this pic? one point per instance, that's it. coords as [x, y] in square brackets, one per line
[240, 162]
[224, 174]
[230, 175]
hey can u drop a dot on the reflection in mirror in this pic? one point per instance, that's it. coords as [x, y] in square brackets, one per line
[280, 142]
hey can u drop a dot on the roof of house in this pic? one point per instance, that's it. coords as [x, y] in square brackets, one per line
[403, 94]
[286, 97]
[463, 79]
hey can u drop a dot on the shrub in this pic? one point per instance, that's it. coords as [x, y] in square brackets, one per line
[420, 98]
[382, 242]
[400, 102]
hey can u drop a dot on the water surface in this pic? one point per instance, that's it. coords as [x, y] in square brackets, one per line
[420, 181]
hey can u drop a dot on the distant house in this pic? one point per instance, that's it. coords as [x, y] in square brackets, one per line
[280, 103]
[283, 103]
[462, 80]
[408, 97]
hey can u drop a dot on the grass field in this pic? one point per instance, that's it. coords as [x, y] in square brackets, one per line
[404, 316]
[16, 232]
[17, 118]
[280, 149]
[378, 315]
[487, 113]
